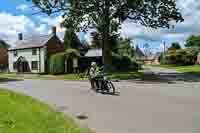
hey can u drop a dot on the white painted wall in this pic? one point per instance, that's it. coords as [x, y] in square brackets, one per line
[27, 53]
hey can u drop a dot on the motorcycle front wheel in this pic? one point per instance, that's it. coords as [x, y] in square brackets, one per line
[110, 87]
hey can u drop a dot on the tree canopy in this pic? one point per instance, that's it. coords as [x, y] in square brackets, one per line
[106, 16]
[175, 46]
[71, 40]
[3, 44]
[193, 41]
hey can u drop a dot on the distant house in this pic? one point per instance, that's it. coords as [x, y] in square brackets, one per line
[152, 59]
[31, 55]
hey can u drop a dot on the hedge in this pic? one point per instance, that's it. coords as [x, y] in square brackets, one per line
[57, 64]
[124, 63]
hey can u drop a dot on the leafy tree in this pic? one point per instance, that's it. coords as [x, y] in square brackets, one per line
[125, 48]
[3, 44]
[175, 46]
[71, 40]
[96, 40]
[106, 16]
[193, 41]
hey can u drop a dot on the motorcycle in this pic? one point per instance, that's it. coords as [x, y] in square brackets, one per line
[105, 85]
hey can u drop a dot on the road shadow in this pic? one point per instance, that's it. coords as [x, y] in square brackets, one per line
[5, 80]
[167, 78]
[186, 77]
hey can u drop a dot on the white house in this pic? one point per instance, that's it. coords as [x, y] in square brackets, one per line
[31, 55]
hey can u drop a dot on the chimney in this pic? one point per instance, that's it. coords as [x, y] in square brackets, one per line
[20, 36]
[54, 30]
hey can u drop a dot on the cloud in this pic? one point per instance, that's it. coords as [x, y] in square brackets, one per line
[191, 14]
[22, 7]
[12, 25]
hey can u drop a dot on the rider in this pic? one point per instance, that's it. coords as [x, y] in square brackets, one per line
[93, 73]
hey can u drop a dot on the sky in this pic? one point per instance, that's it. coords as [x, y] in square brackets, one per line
[16, 17]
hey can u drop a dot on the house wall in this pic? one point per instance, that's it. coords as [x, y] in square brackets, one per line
[27, 53]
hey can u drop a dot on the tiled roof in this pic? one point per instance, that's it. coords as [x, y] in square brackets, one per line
[34, 42]
[94, 53]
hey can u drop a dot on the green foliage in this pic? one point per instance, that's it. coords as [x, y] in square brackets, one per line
[106, 16]
[193, 41]
[57, 64]
[96, 40]
[186, 56]
[123, 47]
[72, 53]
[71, 40]
[3, 44]
[175, 46]
[124, 63]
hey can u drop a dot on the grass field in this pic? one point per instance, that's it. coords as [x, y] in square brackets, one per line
[114, 76]
[195, 69]
[22, 114]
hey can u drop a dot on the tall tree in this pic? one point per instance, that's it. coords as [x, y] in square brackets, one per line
[175, 46]
[193, 41]
[3, 44]
[125, 48]
[106, 16]
[96, 40]
[71, 40]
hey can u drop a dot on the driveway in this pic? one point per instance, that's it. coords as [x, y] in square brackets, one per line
[141, 107]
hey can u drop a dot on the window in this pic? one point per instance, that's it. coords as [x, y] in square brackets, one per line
[34, 51]
[34, 65]
[15, 53]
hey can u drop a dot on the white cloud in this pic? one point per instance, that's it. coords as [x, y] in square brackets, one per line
[12, 25]
[22, 7]
[191, 14]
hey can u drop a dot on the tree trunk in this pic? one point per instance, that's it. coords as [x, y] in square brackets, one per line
[106, 36]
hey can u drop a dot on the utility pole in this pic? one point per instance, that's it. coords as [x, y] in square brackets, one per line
[164, 44]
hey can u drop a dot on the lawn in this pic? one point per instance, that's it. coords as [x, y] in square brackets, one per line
[113, 76]
[22, 114]
[195, 69]
[38, 76]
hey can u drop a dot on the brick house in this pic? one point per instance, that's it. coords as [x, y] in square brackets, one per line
[31, 55]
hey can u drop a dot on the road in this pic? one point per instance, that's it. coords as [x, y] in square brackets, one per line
[141, 107]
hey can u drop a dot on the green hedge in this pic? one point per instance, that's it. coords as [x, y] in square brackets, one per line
[124, 63]
[187, 56]
[57, 64]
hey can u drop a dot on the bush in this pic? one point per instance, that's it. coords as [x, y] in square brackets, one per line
[124, 63]
[186, 56]
[57, 64]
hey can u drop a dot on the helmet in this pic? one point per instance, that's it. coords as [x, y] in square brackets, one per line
[93, 64]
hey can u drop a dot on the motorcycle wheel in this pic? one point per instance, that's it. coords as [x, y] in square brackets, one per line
[111, 87]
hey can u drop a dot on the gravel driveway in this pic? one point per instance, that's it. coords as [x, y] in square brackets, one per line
[141, 107]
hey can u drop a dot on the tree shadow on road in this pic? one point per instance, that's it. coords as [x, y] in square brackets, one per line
[168, 78]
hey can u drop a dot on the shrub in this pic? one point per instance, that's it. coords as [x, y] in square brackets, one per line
[57, 64]
[124, 63]
[186, 56]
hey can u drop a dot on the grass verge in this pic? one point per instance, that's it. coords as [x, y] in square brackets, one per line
[113, 76]
[194, 69]
[22, 114]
